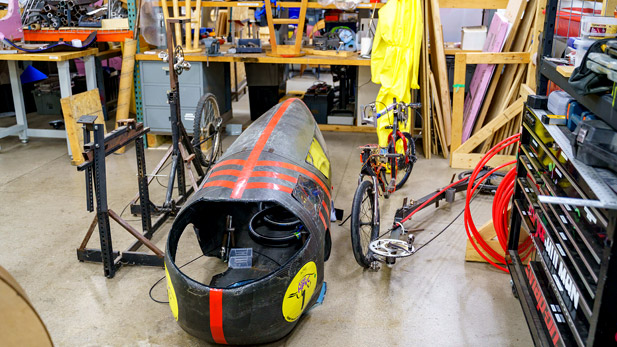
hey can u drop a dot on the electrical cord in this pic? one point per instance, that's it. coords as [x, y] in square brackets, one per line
[444, 229]
[194, 259]
[162, 278]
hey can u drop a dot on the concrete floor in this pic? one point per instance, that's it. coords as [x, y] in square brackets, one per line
[433, 298]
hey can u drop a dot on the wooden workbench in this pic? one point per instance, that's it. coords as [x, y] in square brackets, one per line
[49, 56]
[62, 60]
[354, 60]
[263, 58]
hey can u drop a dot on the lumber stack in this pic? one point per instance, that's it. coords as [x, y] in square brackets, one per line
[497, 103]
[506, 82]
[435, 88]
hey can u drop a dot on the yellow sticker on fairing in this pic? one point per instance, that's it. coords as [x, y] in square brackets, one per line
[171, 294]
[299, 292]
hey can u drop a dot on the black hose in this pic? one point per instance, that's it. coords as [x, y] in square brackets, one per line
[295, 233]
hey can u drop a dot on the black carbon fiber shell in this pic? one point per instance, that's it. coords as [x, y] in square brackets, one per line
[276, 146]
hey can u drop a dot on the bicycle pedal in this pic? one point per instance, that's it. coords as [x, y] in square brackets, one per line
[390, 261]
[374, 266]
[410, 239]
[392, 186]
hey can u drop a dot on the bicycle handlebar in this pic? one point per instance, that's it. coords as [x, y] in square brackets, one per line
[414, 105]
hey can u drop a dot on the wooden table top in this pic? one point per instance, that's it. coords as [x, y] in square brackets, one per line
[49, 56]
[263, 58]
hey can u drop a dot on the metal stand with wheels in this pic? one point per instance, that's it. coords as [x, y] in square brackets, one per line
[183, 153]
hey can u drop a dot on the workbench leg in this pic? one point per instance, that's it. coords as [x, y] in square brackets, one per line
[64, 76]
[18, 100]
[90, 68]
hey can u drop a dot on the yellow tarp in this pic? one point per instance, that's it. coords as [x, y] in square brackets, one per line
[395, 59]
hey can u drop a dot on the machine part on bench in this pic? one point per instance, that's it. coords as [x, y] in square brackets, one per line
[60, 46]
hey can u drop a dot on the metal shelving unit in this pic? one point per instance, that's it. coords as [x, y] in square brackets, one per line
[599, 105]
[567, 214]
[567, 283]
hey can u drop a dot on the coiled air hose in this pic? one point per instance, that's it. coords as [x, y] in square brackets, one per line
[500, 212]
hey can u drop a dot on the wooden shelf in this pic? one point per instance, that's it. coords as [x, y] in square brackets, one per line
[263, 58]
[81, 33]
[481, 4]
[346, 128]
[255, 4]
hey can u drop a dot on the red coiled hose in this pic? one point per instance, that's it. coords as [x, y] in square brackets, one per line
[500, 213]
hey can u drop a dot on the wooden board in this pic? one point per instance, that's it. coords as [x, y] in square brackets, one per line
[75, 106]
[425, 68]
[115, 23]
[498, 103]
[538, 27]
[330, 53]
[51, 56]
[20, 324]
[565, 71]
[265, 59]
[482, 76]
[438, 64]
[514, 13]
[509, 83]
[439, 120]
[346, 128]
[487, 232]
[490, 128]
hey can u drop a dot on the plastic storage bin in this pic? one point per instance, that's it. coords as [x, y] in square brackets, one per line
[603, 64]
[569, 20]
[597, 27]
[47, 103]
[581, 46]
[558, 102]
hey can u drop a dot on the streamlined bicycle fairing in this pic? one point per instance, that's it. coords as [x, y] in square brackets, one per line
[270, 193]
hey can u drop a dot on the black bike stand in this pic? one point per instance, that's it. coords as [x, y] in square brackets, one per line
[95, 152]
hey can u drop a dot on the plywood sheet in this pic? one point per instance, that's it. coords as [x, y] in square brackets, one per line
[495, 39]
[75, 106]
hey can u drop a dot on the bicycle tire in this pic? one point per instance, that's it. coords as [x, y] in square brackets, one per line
[364, 197]
[405, 165]
[205, 124]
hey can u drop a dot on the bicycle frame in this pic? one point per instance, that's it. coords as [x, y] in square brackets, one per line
[375, 161]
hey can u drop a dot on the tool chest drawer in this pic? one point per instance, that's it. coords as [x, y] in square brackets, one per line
[561, 241]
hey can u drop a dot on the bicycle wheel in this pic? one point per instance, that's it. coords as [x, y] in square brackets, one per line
[404, 165]
[207, 131]
[364, 225]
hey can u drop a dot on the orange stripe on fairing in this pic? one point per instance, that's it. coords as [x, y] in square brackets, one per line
[228, 172]
[323, 220]
[220, 183]
[216, 315]
[229, 162]
[295, 168]
[274, 175]
[323, 203]
[265, 185]
[256, 152]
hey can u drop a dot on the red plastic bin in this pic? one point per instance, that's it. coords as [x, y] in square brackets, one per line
[569, 20]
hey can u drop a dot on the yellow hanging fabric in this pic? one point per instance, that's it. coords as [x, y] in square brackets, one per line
[395, 59]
